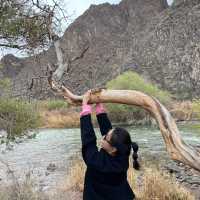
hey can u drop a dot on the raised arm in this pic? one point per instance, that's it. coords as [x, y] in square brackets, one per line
[90, 152]
[102, 118]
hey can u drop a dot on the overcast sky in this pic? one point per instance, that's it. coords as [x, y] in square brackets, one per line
[79, 6]
[74, 8]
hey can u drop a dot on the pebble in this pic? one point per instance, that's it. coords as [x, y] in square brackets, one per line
[185, 175]
[47, 173]
[9, 147]
[18, 140]
[51, 167]
[194, 186]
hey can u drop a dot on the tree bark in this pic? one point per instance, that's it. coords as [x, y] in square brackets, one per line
[176, 147]
[62, 66]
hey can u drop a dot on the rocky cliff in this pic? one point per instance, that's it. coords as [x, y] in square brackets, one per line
[161, 43]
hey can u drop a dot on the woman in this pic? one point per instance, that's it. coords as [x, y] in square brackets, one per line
[106, 174]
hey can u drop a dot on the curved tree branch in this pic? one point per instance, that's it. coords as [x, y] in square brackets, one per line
[176, 147]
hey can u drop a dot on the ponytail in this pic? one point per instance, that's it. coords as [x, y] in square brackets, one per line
[135, 148]
[121, 139]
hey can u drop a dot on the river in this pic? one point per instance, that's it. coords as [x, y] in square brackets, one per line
[47, 156]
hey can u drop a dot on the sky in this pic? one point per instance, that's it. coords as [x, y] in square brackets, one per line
[75, 8]
[79, 6]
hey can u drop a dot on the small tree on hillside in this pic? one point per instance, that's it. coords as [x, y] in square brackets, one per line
[29, 24]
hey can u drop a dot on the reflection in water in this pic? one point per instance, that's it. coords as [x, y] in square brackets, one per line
[54, 147]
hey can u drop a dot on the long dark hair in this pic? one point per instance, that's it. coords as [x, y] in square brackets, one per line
[121, 137]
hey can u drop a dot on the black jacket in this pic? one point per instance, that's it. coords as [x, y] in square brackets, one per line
[106, 175]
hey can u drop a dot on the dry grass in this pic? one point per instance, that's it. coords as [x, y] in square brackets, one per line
[55, 114]
[75, 177]
[58, 114]
[60, 119]
[147, 184]
[21, 191]
[72, 186]
[65, 118]
[157, 185]
[182, 110]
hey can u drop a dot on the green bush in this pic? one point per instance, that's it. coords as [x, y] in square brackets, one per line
[5, 86]
[5, 83]
[56, 104]
[133, 81]
[17, 117]
[196, 107]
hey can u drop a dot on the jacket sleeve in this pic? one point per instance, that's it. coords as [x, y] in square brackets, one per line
[91, 156]
[104, 123]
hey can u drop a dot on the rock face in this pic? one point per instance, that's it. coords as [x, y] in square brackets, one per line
[162, 44]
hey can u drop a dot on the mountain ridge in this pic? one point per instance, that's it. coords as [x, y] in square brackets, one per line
[142, 36]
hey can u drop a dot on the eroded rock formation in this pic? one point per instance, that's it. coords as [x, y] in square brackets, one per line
[162, 44]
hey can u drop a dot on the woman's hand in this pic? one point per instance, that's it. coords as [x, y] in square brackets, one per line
[86, 97]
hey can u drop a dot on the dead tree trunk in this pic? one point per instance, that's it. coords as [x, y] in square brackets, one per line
[175, 145]
[62, 65]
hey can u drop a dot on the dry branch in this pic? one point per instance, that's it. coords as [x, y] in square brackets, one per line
[176, 147]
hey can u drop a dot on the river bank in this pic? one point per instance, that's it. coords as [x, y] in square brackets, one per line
[181, 111]
[186, 176]
[149, 183]
[70, 118]
[49, 150]
[18, 117]
[49, 158]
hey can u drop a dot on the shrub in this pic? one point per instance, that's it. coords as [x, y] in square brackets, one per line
[5, 83]
[17, 117]
[196, 107]
[5, 86]
[159, 185]
[21, 190]
[54, 104]
[133, 81]
[76, 174]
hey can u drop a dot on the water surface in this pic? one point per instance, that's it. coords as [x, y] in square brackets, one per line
[57, 146]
